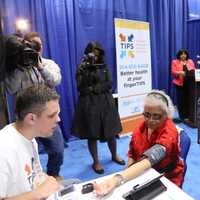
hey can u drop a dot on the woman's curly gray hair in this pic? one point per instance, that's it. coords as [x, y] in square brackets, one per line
[160, 98]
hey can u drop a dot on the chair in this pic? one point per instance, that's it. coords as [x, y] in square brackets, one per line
[185, 142]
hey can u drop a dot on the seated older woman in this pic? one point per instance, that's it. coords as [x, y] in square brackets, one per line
[155, 143]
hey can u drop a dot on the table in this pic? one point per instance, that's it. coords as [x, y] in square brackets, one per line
[173, 192]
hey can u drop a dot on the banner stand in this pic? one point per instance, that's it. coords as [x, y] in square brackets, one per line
[133, 56]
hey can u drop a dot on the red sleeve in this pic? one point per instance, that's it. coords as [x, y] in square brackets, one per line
[191, 64]
[169, 139]
[131, 147]
[174, 67]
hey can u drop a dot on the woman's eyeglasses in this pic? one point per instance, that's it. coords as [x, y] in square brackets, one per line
[152, 116]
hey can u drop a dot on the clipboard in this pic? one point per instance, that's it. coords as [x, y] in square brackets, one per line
[147, 190]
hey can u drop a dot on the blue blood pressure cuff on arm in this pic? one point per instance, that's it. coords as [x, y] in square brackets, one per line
[155, 154]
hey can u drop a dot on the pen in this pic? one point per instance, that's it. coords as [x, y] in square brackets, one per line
[141, 184]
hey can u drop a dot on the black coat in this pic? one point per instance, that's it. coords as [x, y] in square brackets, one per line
[96, 115]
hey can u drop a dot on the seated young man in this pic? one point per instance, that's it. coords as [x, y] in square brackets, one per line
[21, 176]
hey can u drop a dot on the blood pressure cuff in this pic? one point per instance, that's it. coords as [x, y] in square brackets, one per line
[155, 154]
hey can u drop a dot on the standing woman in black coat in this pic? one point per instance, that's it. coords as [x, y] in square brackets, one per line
[96, 115]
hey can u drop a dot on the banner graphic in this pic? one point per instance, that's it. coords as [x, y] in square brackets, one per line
[133, 65]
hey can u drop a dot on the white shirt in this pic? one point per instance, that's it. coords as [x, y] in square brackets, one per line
[16, 162]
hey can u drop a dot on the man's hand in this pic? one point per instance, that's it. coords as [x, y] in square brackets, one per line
[41, 64]
[47, 188]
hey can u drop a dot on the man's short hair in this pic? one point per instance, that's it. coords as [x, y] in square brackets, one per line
[33, 100]
[31, 35]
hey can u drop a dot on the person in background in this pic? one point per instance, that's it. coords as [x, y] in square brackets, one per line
[155, 143]
[18, 74]
[3, 106]
[49, 70]
[51, 74]
[96, 116]
[179, 68]
[21, 177]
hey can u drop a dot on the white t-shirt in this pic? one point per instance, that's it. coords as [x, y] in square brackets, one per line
[17, 162]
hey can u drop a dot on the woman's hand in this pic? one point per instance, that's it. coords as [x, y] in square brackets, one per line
[180, 73]
[106, 186]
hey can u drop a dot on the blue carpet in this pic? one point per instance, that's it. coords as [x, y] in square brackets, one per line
[77, 163]
[77, 160]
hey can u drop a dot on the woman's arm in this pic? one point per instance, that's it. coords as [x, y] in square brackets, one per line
[151, 156]
[128, 174]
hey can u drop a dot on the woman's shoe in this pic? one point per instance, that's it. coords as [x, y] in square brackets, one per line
[98, 171]
[119, 161]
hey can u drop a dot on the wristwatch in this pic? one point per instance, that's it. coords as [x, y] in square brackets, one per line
[120, 179]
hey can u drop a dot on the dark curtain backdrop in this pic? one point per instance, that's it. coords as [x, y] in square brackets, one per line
[66, 26]
[194, 29]
[194, 39]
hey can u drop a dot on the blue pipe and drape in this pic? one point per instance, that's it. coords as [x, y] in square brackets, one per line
[66, 26]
